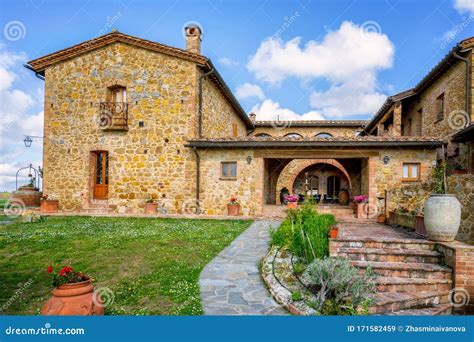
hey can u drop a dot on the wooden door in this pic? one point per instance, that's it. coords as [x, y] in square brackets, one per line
[101, 175]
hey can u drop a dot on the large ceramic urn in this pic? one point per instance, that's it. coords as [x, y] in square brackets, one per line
[442, 217]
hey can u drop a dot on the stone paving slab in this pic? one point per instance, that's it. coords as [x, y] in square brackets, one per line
[231, 284]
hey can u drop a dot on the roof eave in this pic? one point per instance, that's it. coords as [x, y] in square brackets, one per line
[312, 144]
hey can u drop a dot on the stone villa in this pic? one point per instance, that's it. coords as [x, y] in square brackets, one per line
[126, 119]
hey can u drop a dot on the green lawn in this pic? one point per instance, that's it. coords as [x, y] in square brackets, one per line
[151, 265]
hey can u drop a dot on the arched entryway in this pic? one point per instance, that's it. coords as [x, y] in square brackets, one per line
[321, 178]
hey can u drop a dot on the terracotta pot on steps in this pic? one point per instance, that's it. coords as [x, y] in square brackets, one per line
[233, 209]
[292, 205]
[151, 208]
[381, 219]
[78, 299]
[49, 206]
[333, 232]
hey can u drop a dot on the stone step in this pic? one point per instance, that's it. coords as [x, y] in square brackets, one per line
[405, 269]
[96, 210]
[381, 243]
[388, 302]
[398, 284]
[435, 310]
[390, 255]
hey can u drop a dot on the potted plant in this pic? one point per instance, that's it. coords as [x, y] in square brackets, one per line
[73, 294]
[381, 218]
[48, 205]
[360, 205]
[292, 201]
[233, 207]
[151, 207]
[442, 211]
[333, 232]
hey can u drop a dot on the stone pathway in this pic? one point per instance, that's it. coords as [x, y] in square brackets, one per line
[231, 284]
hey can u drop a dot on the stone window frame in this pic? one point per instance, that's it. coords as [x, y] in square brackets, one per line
[222, 177]
[410, 165]
[440, 102]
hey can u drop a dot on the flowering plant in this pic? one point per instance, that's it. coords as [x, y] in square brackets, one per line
[233, 200]
[360, 199]
[46, 197]
[292, 198]
[66, 276]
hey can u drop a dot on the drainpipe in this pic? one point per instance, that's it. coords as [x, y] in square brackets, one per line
[41, 77]
[198, 179]
[468, 85]
[201, 78]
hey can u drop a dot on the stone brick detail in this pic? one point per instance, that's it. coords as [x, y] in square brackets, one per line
[460, 257]
[306, 132]
[462, 186]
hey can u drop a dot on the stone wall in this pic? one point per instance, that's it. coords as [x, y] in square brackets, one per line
[218, 115]
[462, 186]
[247, 187]
[307, 132]
[143, 161]
[452, 84]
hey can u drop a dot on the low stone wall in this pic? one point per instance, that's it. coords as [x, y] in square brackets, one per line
[460, 257]
[463, 187]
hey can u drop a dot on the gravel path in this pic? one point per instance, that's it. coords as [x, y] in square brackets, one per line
[231, 284]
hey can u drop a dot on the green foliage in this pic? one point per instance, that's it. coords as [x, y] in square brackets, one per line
[338, 288]
[152, 265]
[439, 174]
[296, 296]
[305, 232]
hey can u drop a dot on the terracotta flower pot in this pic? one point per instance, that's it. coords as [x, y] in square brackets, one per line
[292, 205]
[151, 208]
[233, 209]
[361, 210]
[77, 299]
[333, 232]
[49, 206]
[381, 219]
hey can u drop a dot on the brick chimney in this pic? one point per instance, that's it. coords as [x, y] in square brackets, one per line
[193, 38]
[252, 117]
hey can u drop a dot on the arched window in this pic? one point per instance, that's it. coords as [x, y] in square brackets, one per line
[263, 135]
[323, 135]
[294, 136]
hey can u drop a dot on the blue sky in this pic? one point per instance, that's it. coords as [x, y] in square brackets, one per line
[296, 59]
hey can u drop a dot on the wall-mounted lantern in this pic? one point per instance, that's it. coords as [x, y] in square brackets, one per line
[249, 159]
[386, 159]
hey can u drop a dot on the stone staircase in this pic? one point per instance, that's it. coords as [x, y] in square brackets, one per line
[411, 278]
[96, 207]
[340, 212]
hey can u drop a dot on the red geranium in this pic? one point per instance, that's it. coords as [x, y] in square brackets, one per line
[50, 269]
[65, 271]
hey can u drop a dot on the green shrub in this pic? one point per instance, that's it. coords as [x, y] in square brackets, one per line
[338, 288]
[296, 296]
[305, 233]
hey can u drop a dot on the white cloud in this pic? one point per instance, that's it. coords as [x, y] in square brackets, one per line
[272, 111]
[16, 119]
[464, 6]
[226, 61]
[248, 90]
[349, 58]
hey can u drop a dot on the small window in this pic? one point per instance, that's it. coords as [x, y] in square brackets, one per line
[263, 135]
[440, 107]
[411, 172]
[294, 136]
[235, 130]
[229, 170]
[323, 135]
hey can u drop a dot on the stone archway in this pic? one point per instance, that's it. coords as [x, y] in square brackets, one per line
[291, 171]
